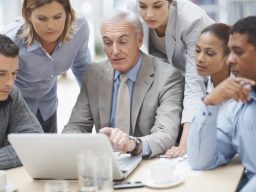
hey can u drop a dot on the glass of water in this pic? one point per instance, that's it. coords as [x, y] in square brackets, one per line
[56, 186]
[87, 172]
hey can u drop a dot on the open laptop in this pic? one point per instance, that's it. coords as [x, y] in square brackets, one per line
[54, 156]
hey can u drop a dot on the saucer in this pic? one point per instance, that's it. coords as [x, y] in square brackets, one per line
[10, 187]
[148, 181]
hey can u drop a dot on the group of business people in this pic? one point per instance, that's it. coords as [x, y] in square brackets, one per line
[137, 98]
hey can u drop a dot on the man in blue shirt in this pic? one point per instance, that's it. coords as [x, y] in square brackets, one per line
[214, 137]
[155, 92]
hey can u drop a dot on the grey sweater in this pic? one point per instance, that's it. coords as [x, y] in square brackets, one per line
[15, 117]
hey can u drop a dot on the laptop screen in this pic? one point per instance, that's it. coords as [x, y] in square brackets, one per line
[54, 156]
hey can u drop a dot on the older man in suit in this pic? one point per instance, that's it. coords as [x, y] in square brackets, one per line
[154, 89]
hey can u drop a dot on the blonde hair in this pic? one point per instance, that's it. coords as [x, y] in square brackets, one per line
[29, 34]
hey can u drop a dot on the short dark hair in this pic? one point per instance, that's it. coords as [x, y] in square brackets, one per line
[7, 47]
[221, 31]
[246, 26]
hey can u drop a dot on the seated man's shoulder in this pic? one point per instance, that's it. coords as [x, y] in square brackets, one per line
[14, 97]
[96, 67]
[15, 93]
[232, 106]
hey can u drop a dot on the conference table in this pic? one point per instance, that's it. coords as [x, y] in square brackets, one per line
[225, 178]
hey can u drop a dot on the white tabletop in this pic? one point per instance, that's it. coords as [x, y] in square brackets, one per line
[225, 178]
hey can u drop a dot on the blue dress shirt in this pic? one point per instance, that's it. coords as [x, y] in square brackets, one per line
[132, 75]
[215, 137]
[37, 77]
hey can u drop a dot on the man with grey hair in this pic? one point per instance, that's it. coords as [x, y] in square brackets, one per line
[133, 98]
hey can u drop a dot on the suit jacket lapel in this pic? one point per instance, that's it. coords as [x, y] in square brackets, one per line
[143, 82]
[105, 94]
[170, 35]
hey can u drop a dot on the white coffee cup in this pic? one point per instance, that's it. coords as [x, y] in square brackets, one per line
[2, 180]
[162, 171]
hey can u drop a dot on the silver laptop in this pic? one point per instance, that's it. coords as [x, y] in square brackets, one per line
[53, 156]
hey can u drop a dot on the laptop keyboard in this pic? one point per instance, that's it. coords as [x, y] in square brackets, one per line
[127, 162]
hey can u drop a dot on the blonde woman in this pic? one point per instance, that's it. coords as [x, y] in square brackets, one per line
[51, 40]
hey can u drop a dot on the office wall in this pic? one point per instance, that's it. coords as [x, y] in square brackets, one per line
[227, 11]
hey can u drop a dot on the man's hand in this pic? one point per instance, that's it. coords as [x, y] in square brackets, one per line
[119, 139]
[237, 88]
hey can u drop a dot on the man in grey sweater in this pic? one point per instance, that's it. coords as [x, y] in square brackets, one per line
[15, 116]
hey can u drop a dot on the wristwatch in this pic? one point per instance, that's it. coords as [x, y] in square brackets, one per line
[138, 146]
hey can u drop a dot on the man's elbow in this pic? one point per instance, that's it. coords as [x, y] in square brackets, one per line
[199, 164]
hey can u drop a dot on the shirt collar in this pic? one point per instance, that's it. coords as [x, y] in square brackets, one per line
[36, 45]
[210, 86]
[254, 88]
[5, 102]
[253, 94]
[132, 73]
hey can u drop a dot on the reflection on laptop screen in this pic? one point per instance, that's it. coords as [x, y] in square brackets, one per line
[53, 156]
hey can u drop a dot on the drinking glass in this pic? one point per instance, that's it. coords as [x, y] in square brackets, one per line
[86, 172]
[56, 186]
[104, 172]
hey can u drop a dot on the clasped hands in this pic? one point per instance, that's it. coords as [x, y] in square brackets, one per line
[236, 88]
